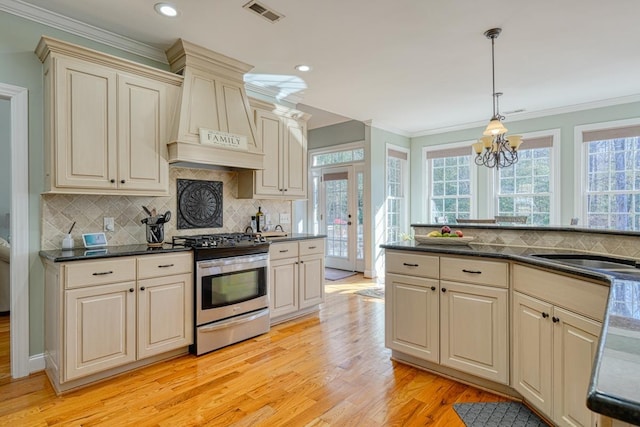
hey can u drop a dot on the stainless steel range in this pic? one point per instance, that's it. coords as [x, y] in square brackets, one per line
[231, 283]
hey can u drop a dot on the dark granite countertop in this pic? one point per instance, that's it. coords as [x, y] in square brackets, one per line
[296, 236]
[614, 389]
[80, 254]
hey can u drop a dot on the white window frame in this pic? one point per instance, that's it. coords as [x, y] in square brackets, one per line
[580, 154]
[426, 177]
[406, 184]
[554, 179]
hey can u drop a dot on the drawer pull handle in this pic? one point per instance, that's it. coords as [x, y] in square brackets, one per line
[471, 271]
[165, 265]
[103, 273]
[545, 315]
[410, 265]
[284, 250]
[312, 247]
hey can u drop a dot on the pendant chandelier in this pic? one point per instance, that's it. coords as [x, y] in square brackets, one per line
[495, 149]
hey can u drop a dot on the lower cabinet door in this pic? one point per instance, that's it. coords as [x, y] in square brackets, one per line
[411, 316]
[575, 342]
[99, 328]
[474, 330]
[532, 351]
[311, 280]
[283, 286]
[165, 314]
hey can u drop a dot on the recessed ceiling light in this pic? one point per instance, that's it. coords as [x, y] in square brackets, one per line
[303, 68]
[166, 9]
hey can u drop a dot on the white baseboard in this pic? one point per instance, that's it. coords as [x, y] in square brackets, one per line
[369, 274]
[36, 363]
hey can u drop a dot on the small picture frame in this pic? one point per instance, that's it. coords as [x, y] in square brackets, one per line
[94, 240]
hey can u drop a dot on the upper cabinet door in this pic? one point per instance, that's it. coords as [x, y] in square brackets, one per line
[268, 180]
[295, 158]
[142, 155]
[85, 125]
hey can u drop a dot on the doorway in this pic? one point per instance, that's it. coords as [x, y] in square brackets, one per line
[338, 197]
[18, 221]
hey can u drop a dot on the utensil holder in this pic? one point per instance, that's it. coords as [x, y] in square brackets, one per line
[155, 234]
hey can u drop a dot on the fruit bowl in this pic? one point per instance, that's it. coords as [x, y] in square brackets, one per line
[448, 240]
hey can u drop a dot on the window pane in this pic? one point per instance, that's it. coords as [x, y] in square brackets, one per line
[525, 188]
[450, 182]
[613, 183]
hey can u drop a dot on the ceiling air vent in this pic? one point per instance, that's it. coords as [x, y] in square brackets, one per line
[264, 11]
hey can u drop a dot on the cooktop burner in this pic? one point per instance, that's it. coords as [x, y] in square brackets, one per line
[211, 246]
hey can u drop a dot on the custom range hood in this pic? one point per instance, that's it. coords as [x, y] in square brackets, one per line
[213, 124]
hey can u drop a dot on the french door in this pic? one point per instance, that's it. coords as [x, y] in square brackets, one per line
[338, 213]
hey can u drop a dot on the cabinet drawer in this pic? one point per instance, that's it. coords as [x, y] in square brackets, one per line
[412, 264]
[310, 247]
[89, 273]
[164, 265]
[476, 271]
[586, 298]
[283, 250]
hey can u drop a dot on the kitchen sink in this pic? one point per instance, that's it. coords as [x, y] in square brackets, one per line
[596, 262]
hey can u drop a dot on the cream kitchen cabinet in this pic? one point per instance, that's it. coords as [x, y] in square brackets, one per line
[296, 278]
[413, 316]
[556, 325]
[107, 316]
[283, 133]
[105, 122]
[449, 311]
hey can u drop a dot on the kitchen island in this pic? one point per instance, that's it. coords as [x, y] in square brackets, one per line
[613, 383]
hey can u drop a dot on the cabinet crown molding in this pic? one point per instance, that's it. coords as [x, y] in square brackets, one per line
[48, 45]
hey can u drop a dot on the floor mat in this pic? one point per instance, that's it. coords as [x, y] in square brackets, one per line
[376, 292]
[335, 274]
[497, 414]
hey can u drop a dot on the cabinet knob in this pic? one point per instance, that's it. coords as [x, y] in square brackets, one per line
[301, 262]
[433, 288]
[444, 289]
[286, 189]
[142, 288]
[131, 289]
[545, 315]
[113, 181]
[555, 319]
[122, 181]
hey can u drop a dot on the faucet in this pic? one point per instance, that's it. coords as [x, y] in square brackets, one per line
[248, 230]
[276, 228]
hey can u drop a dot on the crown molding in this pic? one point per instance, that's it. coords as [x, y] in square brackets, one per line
[537, 114]
[387, 128]
[271, 92]
[72, 26]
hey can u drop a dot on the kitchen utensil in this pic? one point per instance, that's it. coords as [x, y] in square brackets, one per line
[167, 216]
[72, 225]
[144, 220]
[146, 210]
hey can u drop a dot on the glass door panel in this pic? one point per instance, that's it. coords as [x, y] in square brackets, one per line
[340, 216]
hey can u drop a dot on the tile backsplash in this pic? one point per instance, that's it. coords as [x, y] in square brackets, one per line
[574, 240]
[59, 211]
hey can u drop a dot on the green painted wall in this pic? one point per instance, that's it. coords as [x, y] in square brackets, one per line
[565, 122]
[342, 133]
[19, 66]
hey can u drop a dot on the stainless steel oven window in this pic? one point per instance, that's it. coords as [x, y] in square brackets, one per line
[231, 288]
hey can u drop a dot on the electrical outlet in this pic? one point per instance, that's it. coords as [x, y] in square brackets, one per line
[285, 218]
[109, 224]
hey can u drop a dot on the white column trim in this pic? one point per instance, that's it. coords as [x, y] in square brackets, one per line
[19, 270]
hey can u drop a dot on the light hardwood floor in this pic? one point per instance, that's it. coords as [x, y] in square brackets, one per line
[326, 369]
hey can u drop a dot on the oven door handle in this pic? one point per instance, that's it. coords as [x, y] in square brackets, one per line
[235, 321]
